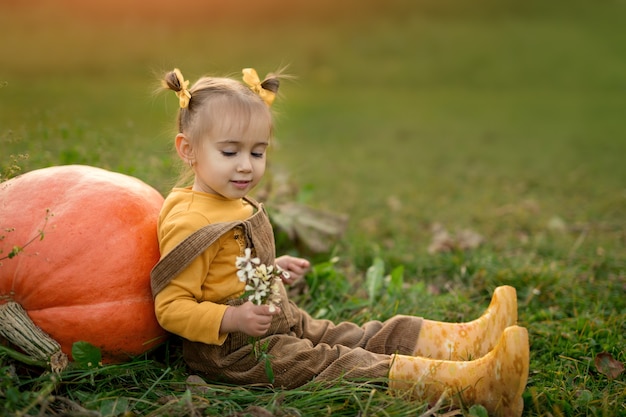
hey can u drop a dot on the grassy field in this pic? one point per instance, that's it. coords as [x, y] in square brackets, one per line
[504, 118]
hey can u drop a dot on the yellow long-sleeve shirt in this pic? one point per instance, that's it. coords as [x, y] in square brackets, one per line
[192, 304]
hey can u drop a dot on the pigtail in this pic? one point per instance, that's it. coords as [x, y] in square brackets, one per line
[171, 82]
[175, 81]
[266, 89]
[271, 83]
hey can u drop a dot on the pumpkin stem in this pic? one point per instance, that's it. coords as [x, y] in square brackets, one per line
[19, 329]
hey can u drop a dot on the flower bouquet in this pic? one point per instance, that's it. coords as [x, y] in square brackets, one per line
[262, 281]
[262, 287]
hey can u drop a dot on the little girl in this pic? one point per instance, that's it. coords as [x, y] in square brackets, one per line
[224, 131]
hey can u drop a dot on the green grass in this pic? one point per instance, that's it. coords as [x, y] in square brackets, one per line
[501, 117]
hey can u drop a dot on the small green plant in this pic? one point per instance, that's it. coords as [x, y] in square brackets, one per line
[86, 355]
[17, 249]
[13, 167]
[8, 170]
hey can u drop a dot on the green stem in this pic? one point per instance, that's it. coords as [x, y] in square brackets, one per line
[25, 359]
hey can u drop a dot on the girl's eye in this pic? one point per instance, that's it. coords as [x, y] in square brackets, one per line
[227, 153]
[258, 154]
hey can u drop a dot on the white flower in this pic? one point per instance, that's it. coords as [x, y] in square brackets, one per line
[261, 280]
[245, 265]
[264, 272]
[246, 259]
[281, 273]
[242, 261]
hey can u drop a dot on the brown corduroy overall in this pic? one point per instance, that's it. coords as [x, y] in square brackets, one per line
[300, 348]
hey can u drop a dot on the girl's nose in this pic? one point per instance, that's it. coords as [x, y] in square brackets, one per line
[244, 165]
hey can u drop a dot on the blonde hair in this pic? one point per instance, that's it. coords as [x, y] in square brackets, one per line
[218, 104]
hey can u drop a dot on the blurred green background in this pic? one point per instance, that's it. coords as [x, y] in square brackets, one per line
[506, 117]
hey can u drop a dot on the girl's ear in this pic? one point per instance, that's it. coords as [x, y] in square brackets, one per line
[184, 149]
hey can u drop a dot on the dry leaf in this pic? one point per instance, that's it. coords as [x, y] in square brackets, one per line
[196, 385]
[443, 241]
[607, 365]
[557, 224]
[311, 229]
[394, 203]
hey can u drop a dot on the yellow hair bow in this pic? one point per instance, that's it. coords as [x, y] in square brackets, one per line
[251, 78]
[183, 95]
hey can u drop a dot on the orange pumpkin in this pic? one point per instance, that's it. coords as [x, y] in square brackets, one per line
[86, 275]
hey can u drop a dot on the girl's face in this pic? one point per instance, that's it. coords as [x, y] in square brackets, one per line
[231, 160]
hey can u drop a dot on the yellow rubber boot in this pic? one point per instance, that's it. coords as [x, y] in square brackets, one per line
[496, 381]
[471, 340]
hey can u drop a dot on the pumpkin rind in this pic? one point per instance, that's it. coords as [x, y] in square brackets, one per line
[88, 279]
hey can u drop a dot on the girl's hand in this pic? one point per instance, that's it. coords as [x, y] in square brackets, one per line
[248, 318]
[296, 267]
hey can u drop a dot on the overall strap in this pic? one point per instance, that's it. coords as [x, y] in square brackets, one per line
[193, 245]
[185, 252]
